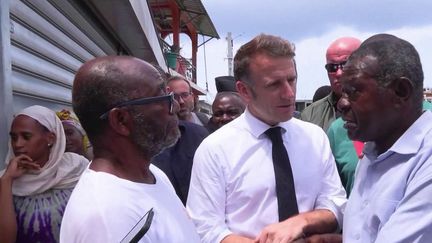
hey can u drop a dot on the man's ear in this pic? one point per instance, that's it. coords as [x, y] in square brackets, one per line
[168, 89]
[120, 121]
[403, 89]
[244, 91]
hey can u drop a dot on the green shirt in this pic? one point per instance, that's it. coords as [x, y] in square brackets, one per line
[322, 112]
[343, 150]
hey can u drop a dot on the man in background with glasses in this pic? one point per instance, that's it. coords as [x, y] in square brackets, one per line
[323, 112]
[129, 118]
[184, 96]
[176, 161]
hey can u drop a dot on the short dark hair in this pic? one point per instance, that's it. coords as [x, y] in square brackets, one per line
[395, 58]
[234, 95]
[321, 92]
[262, 44]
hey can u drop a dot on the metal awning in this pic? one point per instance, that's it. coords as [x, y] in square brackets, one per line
[132, 25]
[197, 14]
[191, 11]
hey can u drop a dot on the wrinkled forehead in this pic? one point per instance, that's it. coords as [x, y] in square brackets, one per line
[178, 84]
[337, 58]
[145, 85]
[359, 67]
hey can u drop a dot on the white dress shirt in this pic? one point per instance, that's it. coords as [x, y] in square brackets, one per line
[232, 186]
[391, 200]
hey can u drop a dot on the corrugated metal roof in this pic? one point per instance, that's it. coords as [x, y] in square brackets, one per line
[191, 11]
[199, 17]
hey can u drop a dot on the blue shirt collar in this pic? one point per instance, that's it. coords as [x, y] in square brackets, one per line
[409, 143]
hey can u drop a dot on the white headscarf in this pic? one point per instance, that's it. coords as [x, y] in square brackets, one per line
[62, 170]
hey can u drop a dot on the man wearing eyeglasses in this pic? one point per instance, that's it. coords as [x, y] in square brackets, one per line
[129, 118]
[184, 96]
[323, 112]
[176, 161]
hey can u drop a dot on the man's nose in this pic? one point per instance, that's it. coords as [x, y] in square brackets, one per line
[226, 117]
[288, 91]
[180, 100]
[339, 72]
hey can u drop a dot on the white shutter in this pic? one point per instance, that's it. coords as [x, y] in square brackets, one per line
[44, 42]
[50, 40]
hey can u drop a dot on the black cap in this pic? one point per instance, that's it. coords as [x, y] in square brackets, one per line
[225, 83]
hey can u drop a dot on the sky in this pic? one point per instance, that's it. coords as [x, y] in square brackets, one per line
[311, 25]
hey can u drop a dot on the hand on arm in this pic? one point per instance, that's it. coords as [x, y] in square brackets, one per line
[8, 225]
[294, 228]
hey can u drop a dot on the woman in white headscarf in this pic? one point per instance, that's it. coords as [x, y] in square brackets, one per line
[39, 178]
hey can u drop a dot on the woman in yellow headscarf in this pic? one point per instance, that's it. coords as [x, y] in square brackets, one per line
[76, 138]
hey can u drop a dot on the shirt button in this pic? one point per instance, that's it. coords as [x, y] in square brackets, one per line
[357, 237]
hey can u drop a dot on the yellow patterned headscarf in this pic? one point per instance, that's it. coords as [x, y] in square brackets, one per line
[67, 117]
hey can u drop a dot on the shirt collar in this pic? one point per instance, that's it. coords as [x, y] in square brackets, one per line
[409, 143]
[257, 127]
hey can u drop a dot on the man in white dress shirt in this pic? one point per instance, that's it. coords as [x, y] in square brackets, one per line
[232, 196]
[391, 200]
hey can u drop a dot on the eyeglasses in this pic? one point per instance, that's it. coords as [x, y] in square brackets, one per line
[183, 95]
[333, 67]
[142, 101]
